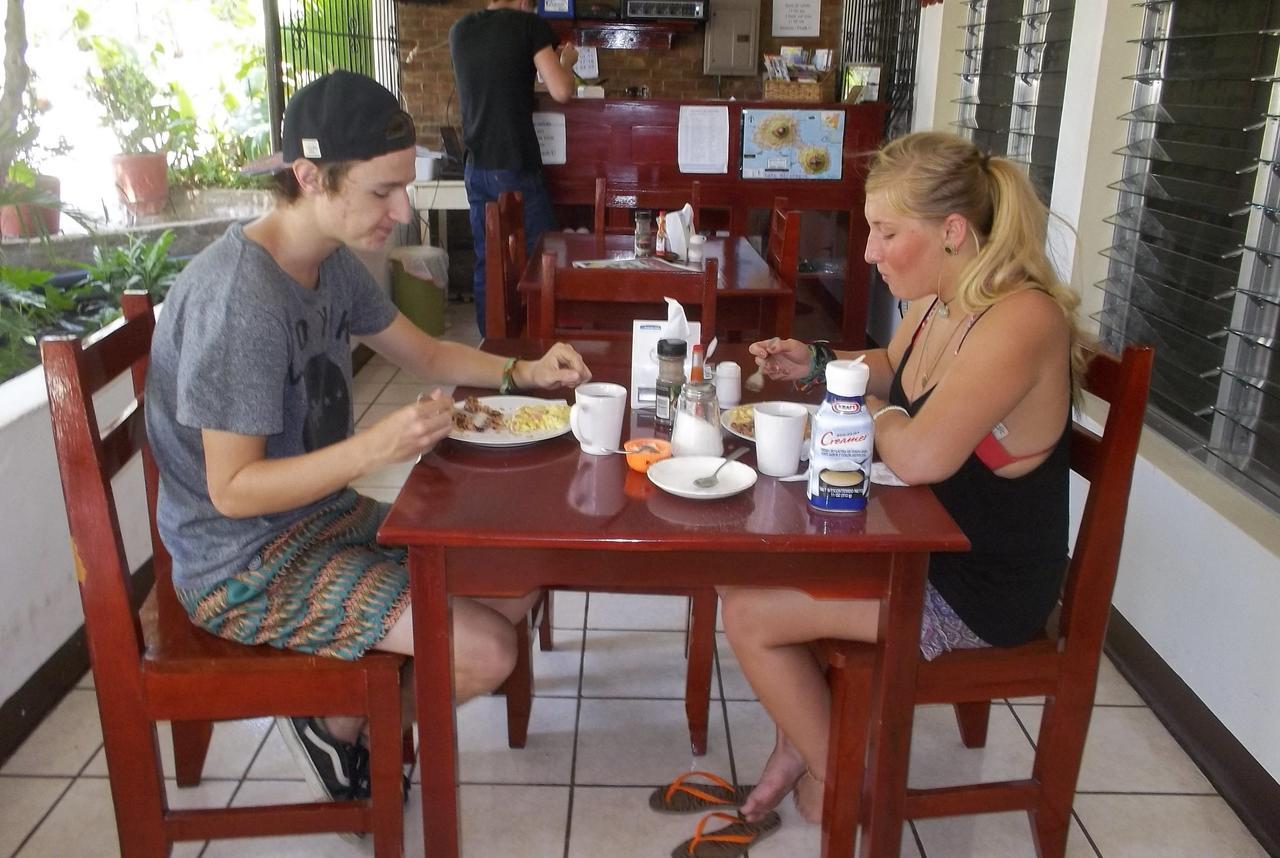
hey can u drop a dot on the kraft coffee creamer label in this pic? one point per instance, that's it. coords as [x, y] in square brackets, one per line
[840, 456]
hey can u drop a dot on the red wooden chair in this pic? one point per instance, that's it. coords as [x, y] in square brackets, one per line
[613, 196]
[504, 253]
[1062, 665]
[607, 300]
[151, 664]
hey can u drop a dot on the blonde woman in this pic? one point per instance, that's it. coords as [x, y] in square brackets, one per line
[972, 396]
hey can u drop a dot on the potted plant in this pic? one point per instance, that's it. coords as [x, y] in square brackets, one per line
[149, 121]
[31, 200]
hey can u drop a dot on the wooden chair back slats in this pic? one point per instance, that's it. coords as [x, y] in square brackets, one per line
[607, 291]
[613, 196]
[504, 251]
[783, 250]
[149, 668]
[1063, 665]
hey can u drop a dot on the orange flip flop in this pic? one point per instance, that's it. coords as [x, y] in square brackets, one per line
[729, 842]
[681, 797]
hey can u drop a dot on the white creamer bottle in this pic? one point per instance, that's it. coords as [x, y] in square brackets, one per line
[841, 439]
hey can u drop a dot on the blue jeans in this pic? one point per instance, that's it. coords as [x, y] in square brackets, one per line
[484, 186]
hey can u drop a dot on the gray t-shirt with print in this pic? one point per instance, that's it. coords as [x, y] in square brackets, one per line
[241, 347]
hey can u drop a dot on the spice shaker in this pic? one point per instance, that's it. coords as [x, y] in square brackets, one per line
[644, 234]
[671, 354]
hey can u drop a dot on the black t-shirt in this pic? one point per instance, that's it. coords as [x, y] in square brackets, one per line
[492, 54]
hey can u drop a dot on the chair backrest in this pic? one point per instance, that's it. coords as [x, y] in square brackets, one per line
[611, 196]
[608, 299]
[504, 254]
[783, 250]
[87, 460]
[1107, 462]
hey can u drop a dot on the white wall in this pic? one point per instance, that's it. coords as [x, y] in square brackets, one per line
[1200, 573]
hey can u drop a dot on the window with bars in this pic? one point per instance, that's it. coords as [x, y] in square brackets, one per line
[1012, 78]
[885, 32]
[1195, 259]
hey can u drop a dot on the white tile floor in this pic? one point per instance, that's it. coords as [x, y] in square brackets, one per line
[607, 725]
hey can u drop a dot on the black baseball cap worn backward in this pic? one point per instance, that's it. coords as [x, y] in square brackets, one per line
[340, 116]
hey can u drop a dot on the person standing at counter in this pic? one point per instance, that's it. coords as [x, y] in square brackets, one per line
[497, 53]
[249, 414]
[972, 397]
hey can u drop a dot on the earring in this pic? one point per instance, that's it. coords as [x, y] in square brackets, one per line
[948, 250]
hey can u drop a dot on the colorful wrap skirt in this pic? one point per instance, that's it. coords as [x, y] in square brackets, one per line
[324, 586]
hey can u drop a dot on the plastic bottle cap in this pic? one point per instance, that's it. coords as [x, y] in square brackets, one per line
[672, 348]
[847, 378]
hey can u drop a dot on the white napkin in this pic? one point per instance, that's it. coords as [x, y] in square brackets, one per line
[679, 226]
[677, 325]
[883, 475]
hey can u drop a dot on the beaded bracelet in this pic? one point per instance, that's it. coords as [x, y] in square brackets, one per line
[508, 383]
[879, 411]
[820, 354]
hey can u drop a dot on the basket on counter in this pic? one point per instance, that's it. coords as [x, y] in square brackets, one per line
[793, 90]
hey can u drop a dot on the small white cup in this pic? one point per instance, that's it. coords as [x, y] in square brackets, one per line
[697, 247]
[779, 430]
[728, 381]
[596, 416]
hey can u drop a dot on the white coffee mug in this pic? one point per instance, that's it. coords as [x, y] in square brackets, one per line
[728, 381]
[596, 416]
[779, 431]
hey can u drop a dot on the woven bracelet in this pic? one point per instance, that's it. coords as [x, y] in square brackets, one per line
[508, 383]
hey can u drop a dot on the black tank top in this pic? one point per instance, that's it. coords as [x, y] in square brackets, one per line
[1005, 587]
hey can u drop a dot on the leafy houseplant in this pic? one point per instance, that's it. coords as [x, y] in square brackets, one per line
[30, 203]
[147, 120]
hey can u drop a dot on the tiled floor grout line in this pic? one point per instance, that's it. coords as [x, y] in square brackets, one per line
[22, 845]
[911, 824]
[1085, 832]
[577, 721]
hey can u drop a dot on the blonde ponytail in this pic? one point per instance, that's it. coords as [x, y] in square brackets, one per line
[930, 175]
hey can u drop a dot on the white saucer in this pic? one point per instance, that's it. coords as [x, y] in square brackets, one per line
[676, 476]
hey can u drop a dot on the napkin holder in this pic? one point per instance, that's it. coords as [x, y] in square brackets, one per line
[679, 226]
[645, 334]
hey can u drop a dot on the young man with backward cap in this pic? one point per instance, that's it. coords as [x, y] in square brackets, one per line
[249, 412]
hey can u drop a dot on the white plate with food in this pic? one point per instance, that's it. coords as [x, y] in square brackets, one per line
[739, 420]
[676, 476]
[508, 421]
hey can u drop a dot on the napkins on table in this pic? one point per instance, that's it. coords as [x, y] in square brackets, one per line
[644, 349]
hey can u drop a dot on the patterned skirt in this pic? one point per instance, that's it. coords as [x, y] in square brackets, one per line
[941, 629]
[324, 586]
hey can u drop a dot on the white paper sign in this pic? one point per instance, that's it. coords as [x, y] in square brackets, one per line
[588, 65]
[550, 130]
[703, 139]
[795, 17]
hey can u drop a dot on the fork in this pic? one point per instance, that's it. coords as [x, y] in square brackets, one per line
[713, 478]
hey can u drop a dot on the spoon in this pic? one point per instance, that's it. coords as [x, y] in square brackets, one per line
[711, 479]
[755, 381]
[711, 349]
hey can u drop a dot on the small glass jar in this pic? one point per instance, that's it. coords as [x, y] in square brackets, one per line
[671, 354]
[697, 425]
[697, 247]
[644, 234]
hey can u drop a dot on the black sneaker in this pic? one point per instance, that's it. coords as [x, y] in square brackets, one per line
[336, 770]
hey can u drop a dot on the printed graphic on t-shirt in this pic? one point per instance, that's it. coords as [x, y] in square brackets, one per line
[328, 403]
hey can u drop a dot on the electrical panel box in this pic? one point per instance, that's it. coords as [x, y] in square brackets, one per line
[732, 38]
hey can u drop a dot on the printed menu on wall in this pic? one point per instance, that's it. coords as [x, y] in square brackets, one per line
[550, 130]
[795, 17]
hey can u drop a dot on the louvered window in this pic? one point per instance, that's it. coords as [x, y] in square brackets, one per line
[1012, 78]
[1195, 259]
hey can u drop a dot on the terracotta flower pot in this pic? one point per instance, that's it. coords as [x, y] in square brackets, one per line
[142, 181]
[28, 221]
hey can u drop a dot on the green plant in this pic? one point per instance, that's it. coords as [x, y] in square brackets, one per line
[140, 264]
[144, 116]
[28, 304]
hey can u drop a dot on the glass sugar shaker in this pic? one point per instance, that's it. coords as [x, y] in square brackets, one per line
[697, 428]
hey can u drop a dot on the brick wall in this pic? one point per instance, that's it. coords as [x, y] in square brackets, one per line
[428, 77]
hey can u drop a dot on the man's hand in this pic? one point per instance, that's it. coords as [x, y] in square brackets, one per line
[782, 359]
[413, 430]
[568, 55]
[561, 366]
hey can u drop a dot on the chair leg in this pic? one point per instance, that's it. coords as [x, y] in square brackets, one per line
[543, 611]
[972, 720]
[701, 648]
[137, 783]
[849, 674]
[190, 747]
[386, 739]
[1059, 749]
[518, 688]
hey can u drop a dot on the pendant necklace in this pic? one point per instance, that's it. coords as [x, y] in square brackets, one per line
[924, 346]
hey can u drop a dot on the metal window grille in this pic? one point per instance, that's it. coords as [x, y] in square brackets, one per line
[308, 38]
[1195, 260]
[1012, 78]
[885, 32]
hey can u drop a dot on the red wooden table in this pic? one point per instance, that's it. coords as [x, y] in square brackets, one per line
[751, 297]
[504, 521]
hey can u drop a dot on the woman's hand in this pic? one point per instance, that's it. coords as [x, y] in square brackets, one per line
[561, 366]
[413, 430]
[782, 359]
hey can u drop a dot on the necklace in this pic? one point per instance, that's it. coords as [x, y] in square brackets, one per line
[944, 308]
[925, 374]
